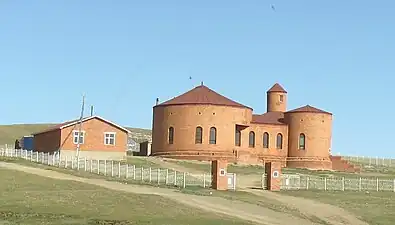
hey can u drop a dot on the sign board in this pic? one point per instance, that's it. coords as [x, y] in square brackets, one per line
[222, 172]
[275, 174]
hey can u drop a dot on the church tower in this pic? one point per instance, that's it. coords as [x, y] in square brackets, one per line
[276, 99]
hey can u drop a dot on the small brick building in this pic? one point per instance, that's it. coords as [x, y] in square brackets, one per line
[99, 139]
[204, 125]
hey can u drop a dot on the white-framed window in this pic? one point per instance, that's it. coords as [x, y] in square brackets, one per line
[109, 138]
[81, 137]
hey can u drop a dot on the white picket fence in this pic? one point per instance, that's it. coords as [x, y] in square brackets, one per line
[305, 182]
[371, 161]
[115, 169]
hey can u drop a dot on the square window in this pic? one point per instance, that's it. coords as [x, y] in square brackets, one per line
[109, 138]
[81, 137]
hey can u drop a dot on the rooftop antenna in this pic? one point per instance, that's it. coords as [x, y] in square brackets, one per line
[157, 101]
[80, 125]
[201, 83]
[91, 110]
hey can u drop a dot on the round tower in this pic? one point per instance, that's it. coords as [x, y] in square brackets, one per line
[309, 138]
[276, 99]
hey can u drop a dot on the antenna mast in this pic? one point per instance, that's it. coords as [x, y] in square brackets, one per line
[80, 125]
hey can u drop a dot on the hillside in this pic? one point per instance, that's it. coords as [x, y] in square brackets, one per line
[9, 133]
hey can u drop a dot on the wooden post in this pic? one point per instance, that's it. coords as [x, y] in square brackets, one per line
[112, 168]
[325, 183]
[142, 173]
[158, 175]
[167, 177]
[307, 182]
[184, 180]
[204, 180]
[377, 184]
[105, 167]
[91, 165]
[150, 173]
[127, 171]
[343, 184]
[98, 166]
[119, 169]
[134, 172]
[175, 178]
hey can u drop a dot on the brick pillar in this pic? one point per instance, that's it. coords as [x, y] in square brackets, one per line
[273, 171]
[218, 172]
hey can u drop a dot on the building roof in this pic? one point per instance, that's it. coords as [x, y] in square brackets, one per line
[308, 109]
[74, 122]
[202, 95]
[274, 118]
[276, 88]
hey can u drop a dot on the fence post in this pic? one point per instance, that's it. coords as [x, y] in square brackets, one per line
[98, 166]
[158, 175]
[325, 183]
[142, 173]
[37, 157]
[360, 184]
[72, 163]
[127, 171]
[112, 168]
[175, 178]
[31, 156]
[167, 177]
[307, 182]
[204, 180]
[184, 180]
[91, 165]
[85, 164]
[150, 175]
[66, 162]
[134, 172]
[105, 167]
[119, 169]
[377, 184]
[343, 184]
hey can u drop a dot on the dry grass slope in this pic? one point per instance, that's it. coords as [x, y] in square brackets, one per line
[9, 133]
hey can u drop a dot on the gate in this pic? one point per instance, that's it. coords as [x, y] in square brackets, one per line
[231, 181]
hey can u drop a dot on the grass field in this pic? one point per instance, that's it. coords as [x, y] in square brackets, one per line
[32, 200]
[9, 133]
[376, 208]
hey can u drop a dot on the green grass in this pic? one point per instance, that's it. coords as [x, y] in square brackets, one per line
[9, 133]
[376, 208]
[86, 174]
[31, 200]
[140, 161]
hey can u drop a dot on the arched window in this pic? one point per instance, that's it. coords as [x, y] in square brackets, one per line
[279, 141]
[213, 135]
[302, 141]
[171, 135]
[266, 140]
[251, 139]
[238, 137]
[199, 135]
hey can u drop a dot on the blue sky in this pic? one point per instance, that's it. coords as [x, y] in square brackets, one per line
[334, 55]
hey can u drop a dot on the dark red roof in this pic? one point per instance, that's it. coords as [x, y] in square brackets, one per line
[274, 118]
[202, 95]
[308, 109]
[56, 127]
[277, 88]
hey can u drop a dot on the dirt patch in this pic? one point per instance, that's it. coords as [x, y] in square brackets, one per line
[238, 209]
[329, 213]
